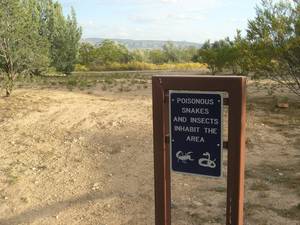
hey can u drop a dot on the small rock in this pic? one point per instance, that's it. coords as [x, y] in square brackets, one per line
[280, 174]
[173, 206]
[196, 203]
[96, 186]
[283, 105]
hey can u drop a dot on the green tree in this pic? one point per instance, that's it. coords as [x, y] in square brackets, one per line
[209, 56]
[171, 52]
[186, 54]
[139, 55]
[87, 54]
[22, 48]
[243, 53]
[64, 40]
[63, 34]
[157, 56]
[109, 52]
[215, 55]
[274, 39]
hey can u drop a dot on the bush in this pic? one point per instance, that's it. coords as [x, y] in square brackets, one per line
[148, 66]
[81, 68]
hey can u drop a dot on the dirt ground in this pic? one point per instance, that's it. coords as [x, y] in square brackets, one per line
[86, 158]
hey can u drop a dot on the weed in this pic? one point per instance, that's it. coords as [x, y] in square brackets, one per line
[263, 194]
[121, 88]
[220, 189]
[297, 143]
[292, 213]
[108, 81]
[24, 199]
[104, 87]
[282, 175]
[259, 186]
[72, 82]
[11, 179]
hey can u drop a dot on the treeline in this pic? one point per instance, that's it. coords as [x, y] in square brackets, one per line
[36, 36]
[271, 47]
[110, 55]
[224, 55]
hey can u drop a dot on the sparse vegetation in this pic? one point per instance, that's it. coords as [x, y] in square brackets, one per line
[76, 147]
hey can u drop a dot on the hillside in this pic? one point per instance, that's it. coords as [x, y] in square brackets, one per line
[143, 44]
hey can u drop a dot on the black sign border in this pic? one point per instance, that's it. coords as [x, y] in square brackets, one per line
[222, 127]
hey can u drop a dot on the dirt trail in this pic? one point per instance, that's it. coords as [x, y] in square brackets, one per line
[73, 158]
[73, 151]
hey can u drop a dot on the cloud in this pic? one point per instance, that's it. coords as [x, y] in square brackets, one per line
[168, 1]
[176, 11]
[194, 20]
[186, 16]
[167, 17]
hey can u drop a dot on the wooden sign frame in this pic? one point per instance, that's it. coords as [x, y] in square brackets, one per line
[235, 86]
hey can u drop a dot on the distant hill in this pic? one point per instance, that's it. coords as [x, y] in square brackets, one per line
[143, 44]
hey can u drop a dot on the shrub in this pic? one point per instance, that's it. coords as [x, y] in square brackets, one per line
[81, 68]
[148, 66]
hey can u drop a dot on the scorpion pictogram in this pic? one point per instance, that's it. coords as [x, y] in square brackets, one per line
[184, 157]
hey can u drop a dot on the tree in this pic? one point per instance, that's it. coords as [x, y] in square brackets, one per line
[186, 54]
[157, 56]
[216, 55]
[243, 53]
[87, 54]
[64, 40]
[22, 48]
[274, 39]
[110, 52]
[171, 52]
[209, 56]
[138, 55]
[63, 34]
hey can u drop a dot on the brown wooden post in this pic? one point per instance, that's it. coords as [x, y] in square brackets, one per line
[161, 162]
[235, 86]
[236, 154]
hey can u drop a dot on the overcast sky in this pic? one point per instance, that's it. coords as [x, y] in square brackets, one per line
[178, 20]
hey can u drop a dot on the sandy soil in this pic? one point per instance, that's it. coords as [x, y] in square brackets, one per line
[87, 159]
